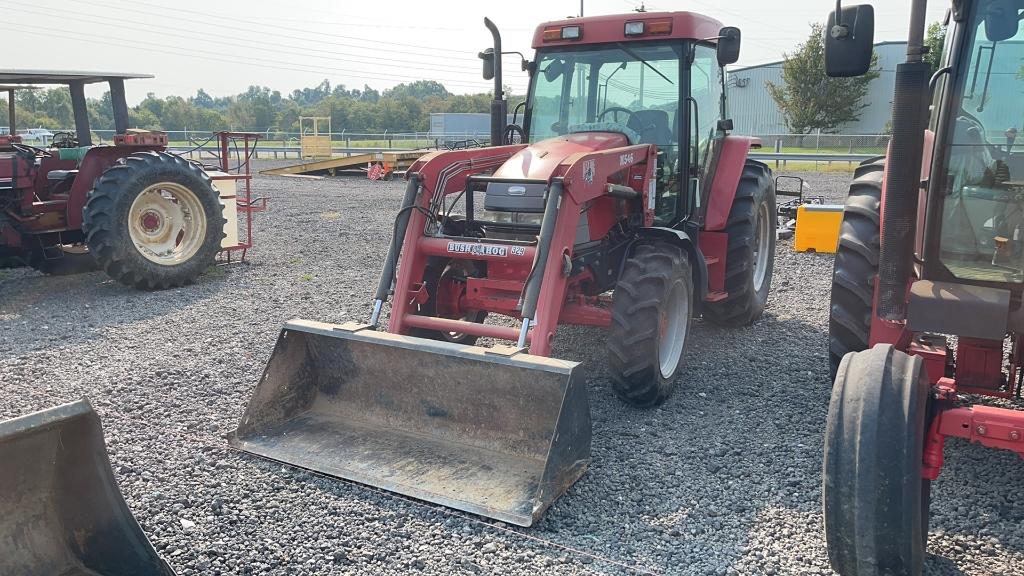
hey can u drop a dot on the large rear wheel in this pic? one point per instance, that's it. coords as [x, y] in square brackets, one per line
[154, 221]
[856, 265]
[751, 253]
[652, 310]
[875, 499]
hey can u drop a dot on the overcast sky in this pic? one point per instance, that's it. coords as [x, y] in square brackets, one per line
[223, 46]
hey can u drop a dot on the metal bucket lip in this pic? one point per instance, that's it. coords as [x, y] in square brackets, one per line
[542, 495]
[470, 352]
[31, 423]
[44, 421]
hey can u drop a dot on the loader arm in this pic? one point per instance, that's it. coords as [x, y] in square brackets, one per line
[539, 298]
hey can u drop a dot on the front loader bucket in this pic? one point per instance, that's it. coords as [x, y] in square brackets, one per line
[496, 435]
[61, 511]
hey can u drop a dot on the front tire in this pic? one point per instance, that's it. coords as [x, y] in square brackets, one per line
[651, 315]
[875, 499]
[750, 258]
[154, 221]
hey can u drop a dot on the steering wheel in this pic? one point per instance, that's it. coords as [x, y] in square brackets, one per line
[27, 149]
[615, 110]
[64, 140]
[514, 134]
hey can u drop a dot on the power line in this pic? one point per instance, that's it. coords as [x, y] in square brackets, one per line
[176, 10]
[252, 45]
[206, 56]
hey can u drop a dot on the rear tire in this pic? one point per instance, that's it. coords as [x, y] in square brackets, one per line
[875, 500]
[152, 194]
[856, 265]
[750, 258]
[651, 316]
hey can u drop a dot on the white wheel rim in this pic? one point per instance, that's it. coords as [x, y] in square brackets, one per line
[762, 246]
[167, 223]
[672, 328]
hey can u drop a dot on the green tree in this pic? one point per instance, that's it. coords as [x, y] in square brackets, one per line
[935, 40]
[810, 100]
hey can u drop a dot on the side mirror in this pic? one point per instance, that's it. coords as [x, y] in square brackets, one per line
[849, 41]
[728, 45]
[1001, 20]
[488, 57]
[554, 70]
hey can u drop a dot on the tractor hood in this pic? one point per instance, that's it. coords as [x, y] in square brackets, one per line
[539, 160]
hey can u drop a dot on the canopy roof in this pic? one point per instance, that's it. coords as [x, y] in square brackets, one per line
[61, 77]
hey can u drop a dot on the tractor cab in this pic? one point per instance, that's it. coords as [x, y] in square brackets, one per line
[608, 82]
[978, 183]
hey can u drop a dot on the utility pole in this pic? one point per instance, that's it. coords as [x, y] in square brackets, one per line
[581, 8]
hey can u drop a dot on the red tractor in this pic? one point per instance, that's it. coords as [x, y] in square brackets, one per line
[149, 218]
[627, 205]
[926, 313]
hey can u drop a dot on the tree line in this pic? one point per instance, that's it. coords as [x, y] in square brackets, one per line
[807, 99]
[404, 108]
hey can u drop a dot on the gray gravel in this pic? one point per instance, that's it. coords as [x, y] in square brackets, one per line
[721, 479]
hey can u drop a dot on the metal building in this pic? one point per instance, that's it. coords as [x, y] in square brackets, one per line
[755, 113]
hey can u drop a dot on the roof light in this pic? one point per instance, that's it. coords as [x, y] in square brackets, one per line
[552, 34]
[571, 32]
[660, 27]
[634, 28]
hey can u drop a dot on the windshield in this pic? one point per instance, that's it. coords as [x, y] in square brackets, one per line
[630, 89]
[633, 89]
[982, 234]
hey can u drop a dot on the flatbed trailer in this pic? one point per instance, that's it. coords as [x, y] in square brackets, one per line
[390, 162]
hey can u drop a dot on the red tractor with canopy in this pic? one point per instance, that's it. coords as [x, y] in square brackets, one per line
[149, 218]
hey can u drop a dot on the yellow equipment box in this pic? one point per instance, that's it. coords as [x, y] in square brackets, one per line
[817, 228]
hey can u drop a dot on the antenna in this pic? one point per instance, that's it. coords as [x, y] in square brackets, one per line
[641, 9]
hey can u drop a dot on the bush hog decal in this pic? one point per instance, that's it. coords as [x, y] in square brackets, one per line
[477, 249]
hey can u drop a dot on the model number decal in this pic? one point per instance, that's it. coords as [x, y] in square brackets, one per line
[517, 251]
[478, 249]
[626, 159]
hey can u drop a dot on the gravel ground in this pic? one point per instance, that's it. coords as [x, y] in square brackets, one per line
[721, 479]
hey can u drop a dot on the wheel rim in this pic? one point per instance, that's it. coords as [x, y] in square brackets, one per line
[762, 246]
[672, 328]
[167, 224]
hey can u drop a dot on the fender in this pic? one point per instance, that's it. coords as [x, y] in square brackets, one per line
[683, 240]
[730, 161]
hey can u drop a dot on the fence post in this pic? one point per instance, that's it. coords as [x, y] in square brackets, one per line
[778, 150]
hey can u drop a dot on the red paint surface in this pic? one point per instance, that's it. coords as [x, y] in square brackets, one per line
[715, 246]
[611, 28]
[726, 179]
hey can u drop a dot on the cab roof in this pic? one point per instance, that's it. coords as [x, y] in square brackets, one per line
[62, 76]
[611, 28]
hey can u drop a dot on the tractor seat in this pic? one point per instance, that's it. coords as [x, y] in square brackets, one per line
[652, 125]
[61, 175]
